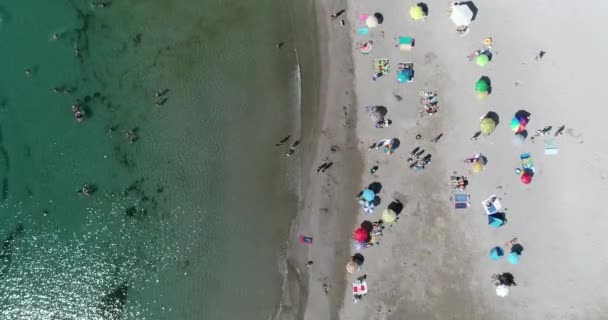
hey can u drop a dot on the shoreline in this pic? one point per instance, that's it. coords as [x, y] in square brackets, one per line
[325, 206]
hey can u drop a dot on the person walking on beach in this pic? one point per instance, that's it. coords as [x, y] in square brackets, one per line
[540, 55]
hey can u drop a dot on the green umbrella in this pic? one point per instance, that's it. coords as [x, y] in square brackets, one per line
[481, 86]
[487, 125]
[482, 60]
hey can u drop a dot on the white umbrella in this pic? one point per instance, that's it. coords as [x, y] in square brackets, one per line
[368, 207]
[371, 22]
[502, 291]
[461, 15]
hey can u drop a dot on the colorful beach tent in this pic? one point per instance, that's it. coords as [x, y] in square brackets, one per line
[514, 258]
[368, 194]
[496, 220]
[482, 60]
[416, 12]
[496, 253]
[361, 235]
[487, 126]
[404, 75]
[389, 216]
[461, 15]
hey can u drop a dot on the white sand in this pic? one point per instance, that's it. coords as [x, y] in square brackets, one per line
[433, 263]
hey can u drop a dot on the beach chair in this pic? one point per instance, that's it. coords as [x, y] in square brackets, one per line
[461, 200]
[406, 43]
[551, 147]
[492, 205]
[526, 161]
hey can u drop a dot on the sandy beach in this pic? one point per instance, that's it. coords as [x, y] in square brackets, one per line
[433, 262]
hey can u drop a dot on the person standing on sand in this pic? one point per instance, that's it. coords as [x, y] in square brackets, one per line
[540, 55]
[437, 138]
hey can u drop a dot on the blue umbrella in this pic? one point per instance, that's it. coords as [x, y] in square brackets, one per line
[368, 195]
[496, 220]
[496, 253]
[514, 258]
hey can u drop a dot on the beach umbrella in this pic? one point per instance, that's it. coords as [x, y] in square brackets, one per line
[351, 267]
[366, 48]
[482, 86]
[496, 220]
[389, 216]
[482, 60]
[514, 258]
[361, 235]
[477, 167]
[526, 177]
[371, 22]
[518, 125]
[502, 291]
[461, 15]
[368, 195]
[482, 95]
[487, 126]
[368, 207]
[416, 12]
[496, 253]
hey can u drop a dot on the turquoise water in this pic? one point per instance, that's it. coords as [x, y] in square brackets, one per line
[187, 222]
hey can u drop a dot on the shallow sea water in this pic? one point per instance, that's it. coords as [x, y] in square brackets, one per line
[189, 221]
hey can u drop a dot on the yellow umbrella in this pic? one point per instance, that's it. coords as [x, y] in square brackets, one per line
[416, 12]
[389, 216]
[477, 167]
[351, 267]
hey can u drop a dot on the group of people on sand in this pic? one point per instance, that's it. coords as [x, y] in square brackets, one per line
[292, 147]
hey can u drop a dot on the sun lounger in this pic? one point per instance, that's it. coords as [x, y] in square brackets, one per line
[492, 205]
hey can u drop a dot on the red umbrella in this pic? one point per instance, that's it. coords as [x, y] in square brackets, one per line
[361, 235]
[526, 177]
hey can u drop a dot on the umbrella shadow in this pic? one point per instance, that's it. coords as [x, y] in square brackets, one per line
[358, 258]
[523, 134]
[488, 54]
[367, 225]
[473, 8]
[395, 143]
[375, 187]
[376, 202]
[424, 7]
[523, 114]
[396, 206]
[487, 80]
[494, 116]
[379, 17]
[517, 248]
[382, 110]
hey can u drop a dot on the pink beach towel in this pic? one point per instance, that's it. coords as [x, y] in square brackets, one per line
[363, 17]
